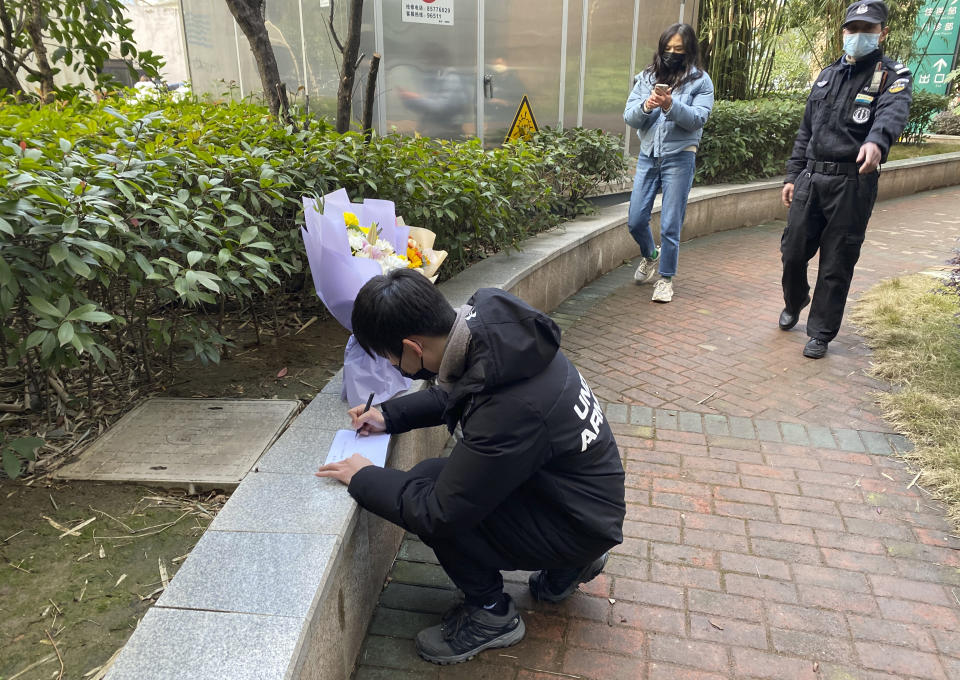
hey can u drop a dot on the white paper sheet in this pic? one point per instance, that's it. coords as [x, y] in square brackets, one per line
[346, 443]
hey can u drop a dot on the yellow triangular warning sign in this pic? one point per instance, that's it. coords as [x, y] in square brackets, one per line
[524, 124]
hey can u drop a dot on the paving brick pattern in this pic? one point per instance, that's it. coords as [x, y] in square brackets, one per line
[771, 532]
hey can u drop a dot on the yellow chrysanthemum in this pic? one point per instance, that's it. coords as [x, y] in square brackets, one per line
[350, 219]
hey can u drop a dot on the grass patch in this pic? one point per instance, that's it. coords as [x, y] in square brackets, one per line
[900, 151]
[913, 326]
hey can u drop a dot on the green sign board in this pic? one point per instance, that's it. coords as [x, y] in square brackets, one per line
[935, 44]
[930, 73]
[938, 24]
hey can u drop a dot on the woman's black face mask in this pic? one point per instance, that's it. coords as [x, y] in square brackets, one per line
[672, 60]
[422, 374]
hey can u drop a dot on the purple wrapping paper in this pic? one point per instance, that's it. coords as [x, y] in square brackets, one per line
[338, 277]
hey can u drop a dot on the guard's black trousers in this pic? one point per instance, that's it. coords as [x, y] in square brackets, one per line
[829, 213]
[517, 535]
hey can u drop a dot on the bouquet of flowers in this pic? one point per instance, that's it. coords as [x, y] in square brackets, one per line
[347, 244]
[366, 242]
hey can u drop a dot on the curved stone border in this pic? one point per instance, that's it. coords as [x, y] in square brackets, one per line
[283, 583]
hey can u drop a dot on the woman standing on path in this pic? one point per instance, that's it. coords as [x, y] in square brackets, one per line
[668, 106]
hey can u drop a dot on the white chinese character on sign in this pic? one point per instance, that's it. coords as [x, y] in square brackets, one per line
[948, 27]
[939, 79]
[924, 79]
[952, 10]
[928, 11]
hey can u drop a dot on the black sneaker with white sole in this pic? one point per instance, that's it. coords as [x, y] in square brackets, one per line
[556, 585]
[467, 630]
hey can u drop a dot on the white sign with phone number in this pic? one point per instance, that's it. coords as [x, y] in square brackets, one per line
[439, 12]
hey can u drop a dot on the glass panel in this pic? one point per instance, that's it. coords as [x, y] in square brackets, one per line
[249, 76]
[211, 47]
[431, 84]
[607, 81]
[158, 28]
[522, 54]
[283, 27]
[323, 58]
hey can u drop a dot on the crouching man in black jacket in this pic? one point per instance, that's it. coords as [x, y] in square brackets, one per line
[536, 483]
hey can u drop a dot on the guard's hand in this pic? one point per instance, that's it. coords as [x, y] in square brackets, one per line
[370, 422]
[787, 194]
[344, 470]
[868, 158]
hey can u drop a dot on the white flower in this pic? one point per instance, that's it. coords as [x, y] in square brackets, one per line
[391, 261]
[357, 241]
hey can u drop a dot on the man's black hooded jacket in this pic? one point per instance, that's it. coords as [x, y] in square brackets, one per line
[535, 442]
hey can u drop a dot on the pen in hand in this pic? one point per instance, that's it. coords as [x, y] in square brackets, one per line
[365, 409]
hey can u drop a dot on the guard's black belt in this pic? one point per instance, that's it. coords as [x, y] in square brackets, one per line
[832, 168]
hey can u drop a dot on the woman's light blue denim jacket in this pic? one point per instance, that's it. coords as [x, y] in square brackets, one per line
[662, 134]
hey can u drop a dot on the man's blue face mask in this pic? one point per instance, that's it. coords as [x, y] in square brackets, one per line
[858, 45]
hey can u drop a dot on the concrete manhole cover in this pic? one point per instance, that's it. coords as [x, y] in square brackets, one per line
[185, 442]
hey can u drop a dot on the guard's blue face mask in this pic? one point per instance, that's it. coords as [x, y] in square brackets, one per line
[860, 44]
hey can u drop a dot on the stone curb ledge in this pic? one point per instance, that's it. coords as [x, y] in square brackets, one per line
[285, 580]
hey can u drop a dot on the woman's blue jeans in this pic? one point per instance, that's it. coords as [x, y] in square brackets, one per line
[673, 175]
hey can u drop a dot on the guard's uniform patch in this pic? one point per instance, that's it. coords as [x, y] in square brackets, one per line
[898, 85]
[861, 114]
[863, 98]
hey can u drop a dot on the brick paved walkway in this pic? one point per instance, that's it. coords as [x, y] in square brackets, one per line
[770, 533]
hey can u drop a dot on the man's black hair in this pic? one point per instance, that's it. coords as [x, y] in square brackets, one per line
[395, 306]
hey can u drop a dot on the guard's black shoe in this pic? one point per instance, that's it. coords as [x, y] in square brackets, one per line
[815, 348]
[556, 585]
[789, 319]
[467, 630]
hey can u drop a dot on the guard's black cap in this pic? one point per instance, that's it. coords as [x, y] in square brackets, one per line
[871, 11]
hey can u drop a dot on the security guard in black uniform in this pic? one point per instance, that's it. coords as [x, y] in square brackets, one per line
[858, 107]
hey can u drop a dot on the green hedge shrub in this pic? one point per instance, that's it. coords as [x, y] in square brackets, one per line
[747, 140]
[124, 232]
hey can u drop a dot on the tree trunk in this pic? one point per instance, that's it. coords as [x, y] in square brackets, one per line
[368, 97]
[34, 26]
[9, 82]
[8, 71]
[250, 17]
[351, 51]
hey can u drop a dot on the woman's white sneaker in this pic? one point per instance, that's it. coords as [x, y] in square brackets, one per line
[663, 291]
[647, 269]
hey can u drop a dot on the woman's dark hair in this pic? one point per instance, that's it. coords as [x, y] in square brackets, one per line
[691, 63]
[395, 306]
